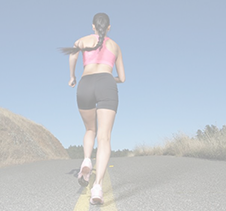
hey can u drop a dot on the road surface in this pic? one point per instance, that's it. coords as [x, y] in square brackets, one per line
[155, 183]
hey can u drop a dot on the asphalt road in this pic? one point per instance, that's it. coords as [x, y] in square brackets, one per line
[136, 184]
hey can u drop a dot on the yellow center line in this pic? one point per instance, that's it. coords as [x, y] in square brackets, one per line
[109, 202]
[83, 203]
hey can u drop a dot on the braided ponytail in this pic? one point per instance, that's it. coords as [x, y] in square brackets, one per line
[68, 51]
[101, 22]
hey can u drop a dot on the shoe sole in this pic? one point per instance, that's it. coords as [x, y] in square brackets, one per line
[84, 179]
[85, 170]
[96, 200]
[83, 182]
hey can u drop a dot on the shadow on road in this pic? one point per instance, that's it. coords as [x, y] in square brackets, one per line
[81, 189]
[148, 175]
[136, 180]
[74, 172]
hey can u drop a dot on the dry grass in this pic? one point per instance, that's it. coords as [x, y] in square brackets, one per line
[209, 144]
[22, 141]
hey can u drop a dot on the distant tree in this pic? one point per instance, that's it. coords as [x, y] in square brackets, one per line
[211, 133]
[223, 131]
[120, 153]
[76, 152]
[199, 135]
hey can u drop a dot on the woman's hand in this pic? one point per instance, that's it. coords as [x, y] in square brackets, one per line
[72, 82]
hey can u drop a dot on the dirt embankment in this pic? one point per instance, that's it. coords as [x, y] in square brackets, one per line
[23, 141]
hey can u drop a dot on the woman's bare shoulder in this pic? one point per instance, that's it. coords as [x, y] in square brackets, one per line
[113, 42]
[81, 42]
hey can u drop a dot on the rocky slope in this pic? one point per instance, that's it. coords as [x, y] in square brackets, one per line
[22, 141]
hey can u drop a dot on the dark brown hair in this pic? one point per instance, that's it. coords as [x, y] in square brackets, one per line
[101, 22]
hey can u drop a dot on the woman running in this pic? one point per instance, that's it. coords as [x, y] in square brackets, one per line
[97, 97]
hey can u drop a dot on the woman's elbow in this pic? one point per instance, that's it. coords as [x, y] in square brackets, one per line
[122, 79]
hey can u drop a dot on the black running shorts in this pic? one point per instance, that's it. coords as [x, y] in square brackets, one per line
[97, 91]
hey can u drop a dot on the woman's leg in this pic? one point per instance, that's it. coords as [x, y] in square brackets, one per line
[90, 122]
[105, 123]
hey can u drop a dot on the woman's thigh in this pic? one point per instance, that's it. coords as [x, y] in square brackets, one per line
[89, 118]
[105, 119]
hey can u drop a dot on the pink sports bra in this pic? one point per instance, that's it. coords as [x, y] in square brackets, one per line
[103, 56]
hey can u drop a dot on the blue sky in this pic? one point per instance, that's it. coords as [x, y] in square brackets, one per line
[174, 56]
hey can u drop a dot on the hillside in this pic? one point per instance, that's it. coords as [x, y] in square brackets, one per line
[22, 141]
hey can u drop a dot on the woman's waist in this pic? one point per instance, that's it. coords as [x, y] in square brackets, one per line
[97, 68]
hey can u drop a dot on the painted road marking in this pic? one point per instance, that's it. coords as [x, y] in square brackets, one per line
[109, 201]
[83, 203]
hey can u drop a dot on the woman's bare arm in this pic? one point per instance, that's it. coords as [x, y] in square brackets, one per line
[72, 64]
[120, 68]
